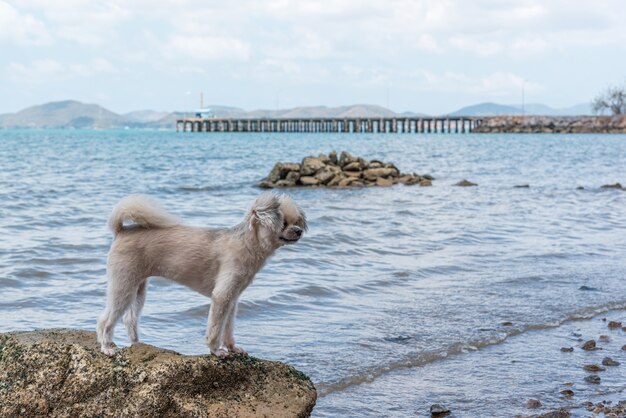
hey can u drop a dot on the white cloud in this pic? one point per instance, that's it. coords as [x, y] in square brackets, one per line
[49, 70]
[206, 48]
[21, 29]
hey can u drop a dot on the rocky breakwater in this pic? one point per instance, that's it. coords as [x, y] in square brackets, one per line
[345, 171]
[61, 373]
[552, 124]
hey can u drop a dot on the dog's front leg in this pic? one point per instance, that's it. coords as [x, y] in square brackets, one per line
[229, 332]
[221, 303]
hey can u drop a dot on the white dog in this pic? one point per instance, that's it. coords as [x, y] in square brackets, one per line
[216, 262]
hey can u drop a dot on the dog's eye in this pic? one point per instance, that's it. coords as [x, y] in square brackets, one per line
[285, 224]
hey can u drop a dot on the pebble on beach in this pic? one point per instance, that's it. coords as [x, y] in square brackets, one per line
[593, 368]
[593, 379]
[604, 338]
[567, 349]
[533, 403]
[589, 345]
[614, 325]
[437, 410]
[608, 361]
[568, 393]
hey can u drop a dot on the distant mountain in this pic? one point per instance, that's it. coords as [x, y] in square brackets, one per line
[74, 114]
[65, 114]
[487, 109]
[145, 116]
[495, 109]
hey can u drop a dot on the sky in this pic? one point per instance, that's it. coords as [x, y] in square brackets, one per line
[431, 56]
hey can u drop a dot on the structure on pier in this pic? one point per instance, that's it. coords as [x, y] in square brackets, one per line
[346, 125]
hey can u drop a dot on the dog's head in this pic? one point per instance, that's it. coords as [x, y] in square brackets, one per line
[279, 219]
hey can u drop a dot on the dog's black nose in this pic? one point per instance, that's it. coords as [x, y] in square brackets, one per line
[297, 230]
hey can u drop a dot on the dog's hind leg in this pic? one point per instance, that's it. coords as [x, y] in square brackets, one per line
[131, 317]
[121, 292]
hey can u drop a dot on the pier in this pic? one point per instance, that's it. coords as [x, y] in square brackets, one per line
[338, 125]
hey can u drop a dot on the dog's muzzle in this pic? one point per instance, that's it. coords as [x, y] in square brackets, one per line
[292, 234]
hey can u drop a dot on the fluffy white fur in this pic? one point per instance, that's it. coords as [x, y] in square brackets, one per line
[216, 262]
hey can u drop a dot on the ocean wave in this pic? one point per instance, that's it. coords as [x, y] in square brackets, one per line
[457, 348]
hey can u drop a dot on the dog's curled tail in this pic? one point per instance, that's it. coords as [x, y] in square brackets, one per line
[141, 210]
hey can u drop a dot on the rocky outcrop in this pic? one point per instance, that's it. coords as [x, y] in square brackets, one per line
[61, 373]
[465, 183]
[343, 171]
[552, 124]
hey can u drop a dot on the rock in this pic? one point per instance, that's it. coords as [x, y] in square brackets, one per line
[465, 183]
[353, 166]
[309, 181]
[326, 174]
[587, 288]
[559, 413]
[285, 183]
[347, 181]
[310, 165]
[374, 173]
[61, 373]
[324, 158]
[521, 186]
[604, 338]
[353, 174]
[408, 180]
[280, 171]
[568, 393]
[293, 176]
[533, 403]
[612, 186]
[580, 188]
[333, 157]
[567, 349]
[428, 177]
[384, 182]
[336, 180]
[593, 379]
[438, 410]
[624, 347]
[589, 345]
[593, 368]
[425, 183]
[608, 361]
[614, 325]
[346, 158]
[375, 164]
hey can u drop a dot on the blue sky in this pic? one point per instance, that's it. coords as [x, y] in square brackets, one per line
[430, 56]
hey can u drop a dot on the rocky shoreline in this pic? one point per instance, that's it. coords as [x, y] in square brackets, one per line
[552, 124]
[60, 373]
[340, 172]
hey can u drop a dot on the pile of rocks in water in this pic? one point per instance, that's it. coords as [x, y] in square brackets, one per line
[345, 171]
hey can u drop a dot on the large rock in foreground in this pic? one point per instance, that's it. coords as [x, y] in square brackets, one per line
[345, 171]
[62, 373]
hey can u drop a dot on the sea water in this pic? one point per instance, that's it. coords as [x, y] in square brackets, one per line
[396, 298]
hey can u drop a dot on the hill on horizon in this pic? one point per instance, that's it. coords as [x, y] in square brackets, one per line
[496, 109]
[64, 114]
[74, 114]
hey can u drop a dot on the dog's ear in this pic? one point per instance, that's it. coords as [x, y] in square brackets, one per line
[266, 211]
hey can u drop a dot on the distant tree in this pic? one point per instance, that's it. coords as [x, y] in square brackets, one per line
[612, 99]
